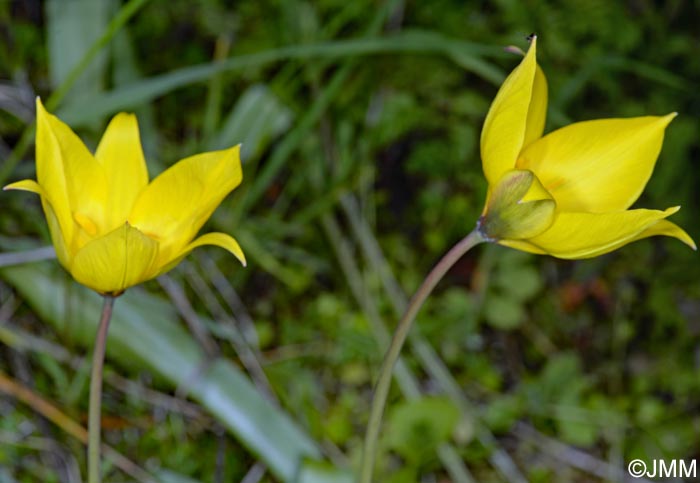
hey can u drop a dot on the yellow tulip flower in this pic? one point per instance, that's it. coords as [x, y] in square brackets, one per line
[110, 227]
[566, 194]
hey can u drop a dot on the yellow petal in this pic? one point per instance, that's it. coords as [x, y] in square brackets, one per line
[227, 242]
[116, 261]
[522, 245]
[666, 228]
[223, 240]
[537, 114]
[26, 185]
[121, 156]
[49, 167]
[73, 181]
[585, 235]
[177, 203]
[57, 239]
[597, 166]
[504, 129]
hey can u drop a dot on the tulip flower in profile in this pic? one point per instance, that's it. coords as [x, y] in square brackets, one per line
[566, 194]
[110, 227]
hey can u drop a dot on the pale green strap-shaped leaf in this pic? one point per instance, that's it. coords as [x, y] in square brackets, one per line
[256, 118]
[72, 27]
[467, 55]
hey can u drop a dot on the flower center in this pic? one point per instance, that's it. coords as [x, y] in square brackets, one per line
[86, 223]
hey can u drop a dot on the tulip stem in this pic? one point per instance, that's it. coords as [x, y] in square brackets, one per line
[94, 414]
[381, 390]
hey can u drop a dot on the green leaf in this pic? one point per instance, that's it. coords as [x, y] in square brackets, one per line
[257, 117]
[521, 283]
[573, 428]
[503, 312]
[418, 427]
[72, 27]
[89, 108]
[503, 412]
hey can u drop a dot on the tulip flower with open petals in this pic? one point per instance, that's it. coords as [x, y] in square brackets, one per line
[110, 227]
[566, 194]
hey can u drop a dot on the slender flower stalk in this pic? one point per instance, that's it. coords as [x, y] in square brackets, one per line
[95, 410]
[381, 390]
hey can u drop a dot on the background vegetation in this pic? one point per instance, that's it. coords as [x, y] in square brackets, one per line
[360, 124]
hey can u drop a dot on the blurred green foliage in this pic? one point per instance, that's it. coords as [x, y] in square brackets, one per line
[599, 356]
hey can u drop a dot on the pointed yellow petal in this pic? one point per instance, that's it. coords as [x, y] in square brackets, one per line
[504, 129]
[537, 114]
[227, 242]
[585, 235]
[666, 228]
[177, 203]
[121, 156]
[57, 237]
[597, 166]
[26, 185]
[116, 261]
[662, 227]
[522, 245]
[66, 170]
[223, 240]
[50, 172]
